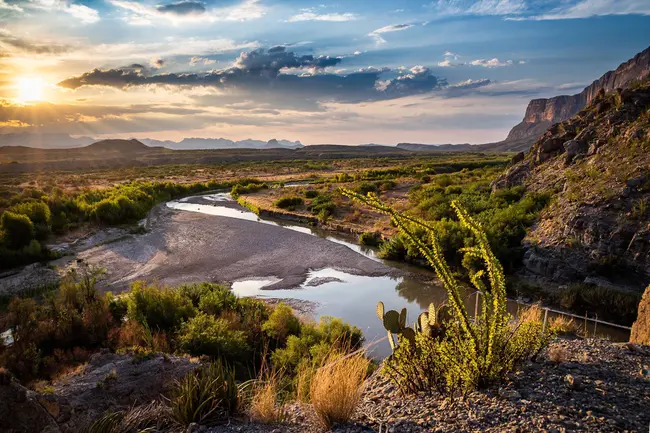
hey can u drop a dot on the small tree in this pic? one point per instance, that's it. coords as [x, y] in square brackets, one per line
[18, 229]
[471, 353]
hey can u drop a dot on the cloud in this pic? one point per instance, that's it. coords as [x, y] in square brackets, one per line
[451, 60]
[479, 7]
[279, 77]
[83, 13]
[188, 11]
[7, 7]
[492, 63]
[377, 34]
[197, 60]
[157, 63]
[471, 84]
[182, 8]
[591, 8]
[28, 46]
[310, 15]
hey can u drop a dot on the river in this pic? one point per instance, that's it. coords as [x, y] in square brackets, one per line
[334, 292]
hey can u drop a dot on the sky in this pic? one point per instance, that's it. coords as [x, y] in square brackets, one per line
[346, 72]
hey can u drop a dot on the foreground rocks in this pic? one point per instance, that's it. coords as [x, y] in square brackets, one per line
[108, 383]
[641, 329]
[577, 385]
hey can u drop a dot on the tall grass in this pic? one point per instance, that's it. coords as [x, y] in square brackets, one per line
[336, 388]
[205, 395]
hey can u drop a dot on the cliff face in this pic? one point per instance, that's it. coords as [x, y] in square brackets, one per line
[542, 113]
[596, 168]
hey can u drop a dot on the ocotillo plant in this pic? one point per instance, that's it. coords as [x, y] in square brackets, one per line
[478, 351]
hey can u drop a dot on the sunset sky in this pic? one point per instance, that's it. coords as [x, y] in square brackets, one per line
[348, 72]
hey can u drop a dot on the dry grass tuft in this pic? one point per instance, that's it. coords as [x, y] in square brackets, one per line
[336, 388]
[562, 325]
[532, 314]
[265, 406]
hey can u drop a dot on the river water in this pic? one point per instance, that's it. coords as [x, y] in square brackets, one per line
[350, 297]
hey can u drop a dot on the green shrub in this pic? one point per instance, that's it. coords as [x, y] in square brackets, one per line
[197, 291]
[216, 301]
[205, 395]
[17, 229]
[37, 211]
[160, 308]
[281, 323]
[366, 187]
[370, 238]
[311, 193]
[290, 202]
[206, 335]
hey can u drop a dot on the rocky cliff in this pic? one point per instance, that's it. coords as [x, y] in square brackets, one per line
[596, 167]
[542, 113]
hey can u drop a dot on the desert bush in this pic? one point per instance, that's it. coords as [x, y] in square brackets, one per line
[161, 308]
[289, 202]
[205, 395]
[281, 323]
[469, 354]
[205, 334]
[217, 300]
[311, 193]
[336, 387]
[59, 332]
[370, 238]
[17, 229]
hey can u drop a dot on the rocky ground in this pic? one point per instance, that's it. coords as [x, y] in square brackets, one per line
[595, 386]
[577, 385]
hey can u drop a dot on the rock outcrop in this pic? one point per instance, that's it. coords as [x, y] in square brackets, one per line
[20, 411]
[641, 329]
[596, 168]
[542, 113]
[108, 383]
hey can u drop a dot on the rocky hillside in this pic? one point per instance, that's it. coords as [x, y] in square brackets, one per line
[596, 167]
[542, 113]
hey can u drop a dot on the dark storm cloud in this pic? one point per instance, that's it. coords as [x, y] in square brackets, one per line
[265, 75]
[182, 8]
[418, 80]
[30, 46]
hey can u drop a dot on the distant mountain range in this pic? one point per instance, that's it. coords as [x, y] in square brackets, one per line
[65, 141]
[44, 141]
[222, 143]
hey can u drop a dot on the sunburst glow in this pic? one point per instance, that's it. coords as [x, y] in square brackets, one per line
[30, 89]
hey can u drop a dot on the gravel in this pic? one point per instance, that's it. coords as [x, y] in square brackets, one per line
[183, 246]
[599, 386]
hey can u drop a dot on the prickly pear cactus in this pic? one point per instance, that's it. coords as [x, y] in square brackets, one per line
[380, 310]
[433, 314]
[402, 318]
[392, 322]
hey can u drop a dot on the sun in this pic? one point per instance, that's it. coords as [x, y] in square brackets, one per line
[30, 89]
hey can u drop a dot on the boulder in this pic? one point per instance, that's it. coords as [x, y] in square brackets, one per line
[641, 328]
[20, 411]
